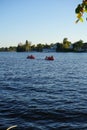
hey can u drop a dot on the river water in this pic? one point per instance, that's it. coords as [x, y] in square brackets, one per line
[43, 95]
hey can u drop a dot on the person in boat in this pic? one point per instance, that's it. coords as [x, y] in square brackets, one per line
[31, 56]
[46, 58]
[51, 57]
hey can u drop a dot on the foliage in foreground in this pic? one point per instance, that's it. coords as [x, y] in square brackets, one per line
[80, 10]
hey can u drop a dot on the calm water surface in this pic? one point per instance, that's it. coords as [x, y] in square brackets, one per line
[43, 95]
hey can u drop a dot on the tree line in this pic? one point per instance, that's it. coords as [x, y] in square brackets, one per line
[65, 46]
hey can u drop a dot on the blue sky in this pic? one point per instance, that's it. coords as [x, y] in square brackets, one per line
[39, 21]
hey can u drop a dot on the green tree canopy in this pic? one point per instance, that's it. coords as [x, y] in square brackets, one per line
[78, 45]
[66, 43]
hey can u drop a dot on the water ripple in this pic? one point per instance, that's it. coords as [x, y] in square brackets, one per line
[38, 94]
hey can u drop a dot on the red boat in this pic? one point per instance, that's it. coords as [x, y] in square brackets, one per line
[31, 57]
[49, 58]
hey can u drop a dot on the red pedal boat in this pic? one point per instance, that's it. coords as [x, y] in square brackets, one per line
[49, 58]
[31, 57]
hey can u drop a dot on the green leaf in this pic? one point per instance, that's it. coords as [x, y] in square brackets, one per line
[81, 19]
